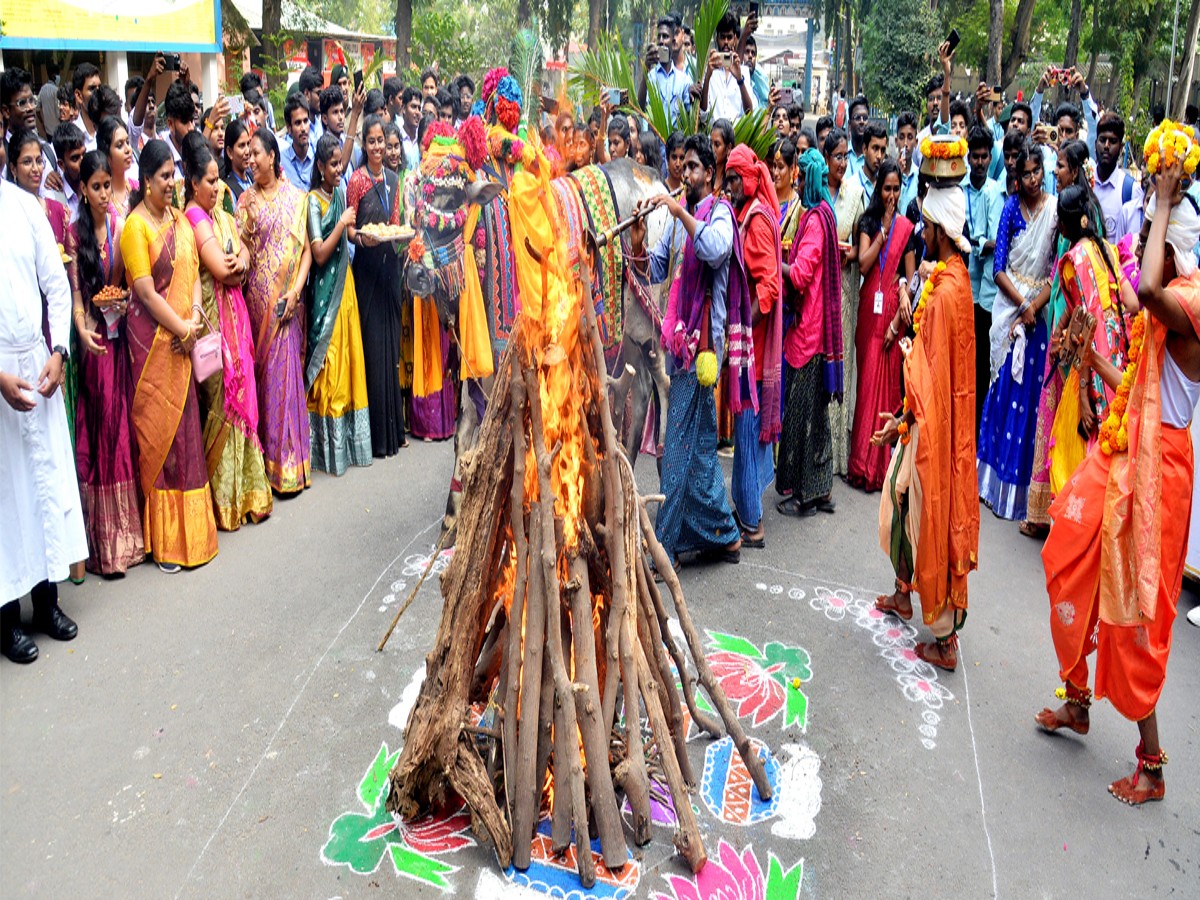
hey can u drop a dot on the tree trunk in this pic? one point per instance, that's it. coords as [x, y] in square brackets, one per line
[1071, 54]
[272, 14]
[848, 48]
[1143, 54]
[404, 13]
[1091, 72]
[1187, 65]
[595, 20]
[1018, 50]
[995, 36]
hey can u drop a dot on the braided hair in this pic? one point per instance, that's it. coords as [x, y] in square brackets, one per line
[87, 255]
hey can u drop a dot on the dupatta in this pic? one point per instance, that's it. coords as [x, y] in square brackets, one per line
[1030, 266]
[328, 281]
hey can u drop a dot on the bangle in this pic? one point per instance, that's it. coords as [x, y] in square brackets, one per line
[904, 283]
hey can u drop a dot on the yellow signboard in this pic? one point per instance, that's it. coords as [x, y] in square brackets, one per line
[192, 26]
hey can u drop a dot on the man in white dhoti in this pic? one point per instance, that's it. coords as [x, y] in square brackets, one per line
[40, 508]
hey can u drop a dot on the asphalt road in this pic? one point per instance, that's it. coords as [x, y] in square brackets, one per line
[207, 733]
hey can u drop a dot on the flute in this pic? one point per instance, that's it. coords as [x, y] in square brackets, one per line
[604, 237]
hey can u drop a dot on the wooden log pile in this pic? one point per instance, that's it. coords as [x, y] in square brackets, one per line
[553, 618]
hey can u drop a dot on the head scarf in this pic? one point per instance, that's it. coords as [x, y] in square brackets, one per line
[947, 206]
[756, 177]
[1183, 231]
[339, 72]
[816, 179]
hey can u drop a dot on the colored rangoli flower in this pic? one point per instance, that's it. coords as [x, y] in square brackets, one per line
[733, 876]
[757, 682]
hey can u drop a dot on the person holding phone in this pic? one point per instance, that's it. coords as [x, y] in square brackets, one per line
[272, 221]
[670, 80]
[725, 91]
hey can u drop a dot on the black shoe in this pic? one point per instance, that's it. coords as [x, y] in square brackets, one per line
[53, 621]
[17, 645]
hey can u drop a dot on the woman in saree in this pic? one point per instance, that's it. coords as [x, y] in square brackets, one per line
[783, 170]
[1071, 169]
[334, 369]
[104, 459]
[162, 324]
[271, 217]
[232, 452]
[849, 203]
[112, 140]
[374, 194]
[885, 255]
[25, 164]
[722, 139]
[1091, 279]
[1019, 337]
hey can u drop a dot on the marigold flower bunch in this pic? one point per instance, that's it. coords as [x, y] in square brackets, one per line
[1114, 430]
[1168, 142]
[956, 149]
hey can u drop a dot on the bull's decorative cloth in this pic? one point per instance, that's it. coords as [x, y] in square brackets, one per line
[596, 192]
[500, 273]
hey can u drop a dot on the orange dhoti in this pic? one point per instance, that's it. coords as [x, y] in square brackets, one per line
[1131, 659]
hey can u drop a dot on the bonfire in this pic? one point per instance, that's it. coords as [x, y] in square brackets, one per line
[552, 617]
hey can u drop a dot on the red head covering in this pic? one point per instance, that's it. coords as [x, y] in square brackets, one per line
[756, 177]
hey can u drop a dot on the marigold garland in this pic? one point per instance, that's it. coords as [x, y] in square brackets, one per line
[931, 149]
[1168, 142]
[918, 316]
[1114, 431]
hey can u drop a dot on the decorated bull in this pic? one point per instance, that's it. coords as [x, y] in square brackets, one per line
[463, 266]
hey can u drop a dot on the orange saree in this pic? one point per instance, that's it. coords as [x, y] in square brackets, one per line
[929, 513]
[1114, 558]
[179, 523]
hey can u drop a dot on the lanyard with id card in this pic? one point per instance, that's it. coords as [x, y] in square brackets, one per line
[882, 270]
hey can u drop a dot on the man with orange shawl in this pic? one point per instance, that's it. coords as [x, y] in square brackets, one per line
[752, 191]
[1114, 558]
[929, 513]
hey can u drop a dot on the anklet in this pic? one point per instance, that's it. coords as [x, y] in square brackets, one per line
[1148, 762]
[903, 587]
[1081, 697]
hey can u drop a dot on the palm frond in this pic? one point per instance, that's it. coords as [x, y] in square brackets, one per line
[707, 18]
[657, 114]
[525, 64]
[755, 130]
[606, 65]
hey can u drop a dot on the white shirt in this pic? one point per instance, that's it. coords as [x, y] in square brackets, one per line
[1110, 193]
[89, 138]
[40, 505]
[725, 96]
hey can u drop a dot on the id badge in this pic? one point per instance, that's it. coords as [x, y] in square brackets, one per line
[879, 303]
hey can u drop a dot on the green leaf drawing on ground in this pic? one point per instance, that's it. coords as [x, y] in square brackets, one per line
[375, 780]
[731, 643]
[356, 840]
[795, 660]
[420, 867]
[783, 885]
[796, 712]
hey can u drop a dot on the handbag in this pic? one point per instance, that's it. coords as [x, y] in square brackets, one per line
[206, 353]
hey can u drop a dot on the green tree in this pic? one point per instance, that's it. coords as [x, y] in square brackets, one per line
[899, 41]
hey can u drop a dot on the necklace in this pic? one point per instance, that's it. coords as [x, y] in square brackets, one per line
[1031, 214]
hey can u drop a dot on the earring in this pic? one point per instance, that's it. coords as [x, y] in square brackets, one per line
[1083, 223]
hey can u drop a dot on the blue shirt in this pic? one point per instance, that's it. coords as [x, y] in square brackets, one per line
[984, 207]
[673, 86]
[297, 170]
[713, 244]
[908, 189]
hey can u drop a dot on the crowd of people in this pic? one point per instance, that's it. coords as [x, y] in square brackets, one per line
[974, 302]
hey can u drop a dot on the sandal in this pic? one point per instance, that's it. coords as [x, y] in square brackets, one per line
[790, 506]
[825, 504]
[882, 604]
[1126, 789]
[1049, 720]
[1034, 530]
[756, 541]
[942, 653]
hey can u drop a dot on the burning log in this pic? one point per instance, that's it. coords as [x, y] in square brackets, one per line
[551, 614]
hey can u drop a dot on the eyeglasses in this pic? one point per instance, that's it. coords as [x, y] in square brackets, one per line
[1033, 175]
[25, 103]
[839, 157]
[861, 117]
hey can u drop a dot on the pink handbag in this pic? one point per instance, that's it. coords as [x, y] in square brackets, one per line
[206, 353]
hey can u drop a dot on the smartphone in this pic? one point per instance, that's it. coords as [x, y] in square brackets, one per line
[952, 39]
[613, 96]
[753, 9]
[785, 96]
[997, 93]
[358, 80]
[229, 246]
[171, 61]
[280, 308]
[237, 105]
[664, 55]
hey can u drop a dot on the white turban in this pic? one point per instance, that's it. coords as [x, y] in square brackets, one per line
[1183, 232]
[947, 206]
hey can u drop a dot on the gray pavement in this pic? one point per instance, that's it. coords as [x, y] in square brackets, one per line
[207, 733]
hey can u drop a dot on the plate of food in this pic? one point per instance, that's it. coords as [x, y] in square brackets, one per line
[110, 294]
[382, 231]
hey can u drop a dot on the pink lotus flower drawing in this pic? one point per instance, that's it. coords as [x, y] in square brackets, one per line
[728, 876]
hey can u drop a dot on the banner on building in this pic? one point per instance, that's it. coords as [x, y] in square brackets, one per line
[187, 26]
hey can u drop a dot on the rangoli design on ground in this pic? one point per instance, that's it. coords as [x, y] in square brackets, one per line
[896, 640]
[761, 683]
[727, 789]
[730, 875]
